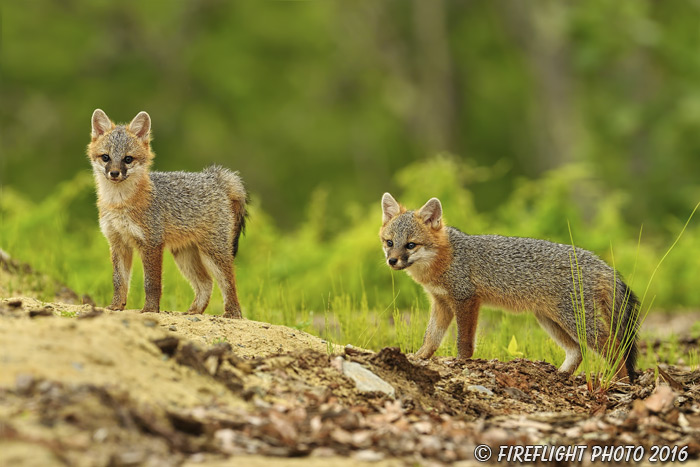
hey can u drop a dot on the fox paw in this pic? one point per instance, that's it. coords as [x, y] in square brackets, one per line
[150, 310]
[233, 314]
[115, 307]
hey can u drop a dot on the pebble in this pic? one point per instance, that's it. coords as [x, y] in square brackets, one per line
[194, 319]
[517, 394]
[24, 383]
[368, 455]
[45, 386]
[100, 435]
[481, 389]
[172, 328]
[365, 380]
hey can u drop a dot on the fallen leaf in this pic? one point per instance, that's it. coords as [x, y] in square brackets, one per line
[661, 399]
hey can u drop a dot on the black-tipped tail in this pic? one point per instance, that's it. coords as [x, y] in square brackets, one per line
[630, 323]
[241, 217]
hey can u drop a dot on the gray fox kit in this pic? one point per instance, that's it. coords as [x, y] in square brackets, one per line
[461, 272]
[197, 216]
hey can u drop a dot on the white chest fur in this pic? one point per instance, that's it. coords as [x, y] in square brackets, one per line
[115, 193]
[434, 289]
[119, 223]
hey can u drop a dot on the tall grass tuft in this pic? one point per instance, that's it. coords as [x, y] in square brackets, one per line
[601, 371]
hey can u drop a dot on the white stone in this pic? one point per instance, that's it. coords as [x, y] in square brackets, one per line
[365, 380]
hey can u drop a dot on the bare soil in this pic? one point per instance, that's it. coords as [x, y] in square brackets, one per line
[80, 385]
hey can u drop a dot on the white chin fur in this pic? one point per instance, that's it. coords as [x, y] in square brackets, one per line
[422, 256]
[421, 261]
[112, 192]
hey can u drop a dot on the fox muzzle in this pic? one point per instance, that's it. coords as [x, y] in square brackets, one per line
[398, 263]
[115, 174]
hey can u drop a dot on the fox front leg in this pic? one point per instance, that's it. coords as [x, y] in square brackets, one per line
[121, 273]
[440, 318]
[152, 271]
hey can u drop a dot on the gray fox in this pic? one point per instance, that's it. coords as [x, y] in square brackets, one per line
[199, 217]
[461, 272]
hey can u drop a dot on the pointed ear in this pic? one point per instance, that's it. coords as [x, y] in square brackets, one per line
[390, 208]
[431, 213]
[141, 127]
[101, 124]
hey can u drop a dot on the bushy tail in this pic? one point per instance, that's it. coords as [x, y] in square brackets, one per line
[238, 196]
[240, 213]
[630, 328]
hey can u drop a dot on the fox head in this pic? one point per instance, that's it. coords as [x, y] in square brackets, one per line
[118, 152]
[411, 239]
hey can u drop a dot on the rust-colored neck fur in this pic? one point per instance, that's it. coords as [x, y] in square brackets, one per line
[433, 271]
[443, 259]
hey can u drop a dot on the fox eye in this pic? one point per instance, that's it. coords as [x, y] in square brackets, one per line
[389, 243]
[410, 245]
[128, 159]
[105, 157]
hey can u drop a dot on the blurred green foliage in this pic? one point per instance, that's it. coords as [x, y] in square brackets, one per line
[340, 95]
[521, 117]
[338, 285]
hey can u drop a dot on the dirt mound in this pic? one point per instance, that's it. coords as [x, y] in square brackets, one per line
[83, 386]
[27, 281]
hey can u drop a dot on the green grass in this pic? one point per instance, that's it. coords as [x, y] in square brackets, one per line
[600, 371]
[669, 351]
[219, 340]
[333, 282]
[693, 359]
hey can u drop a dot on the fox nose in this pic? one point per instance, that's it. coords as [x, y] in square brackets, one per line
[114, 174]
[393, 261]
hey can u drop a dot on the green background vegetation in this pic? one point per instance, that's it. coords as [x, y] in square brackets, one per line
[519, 116]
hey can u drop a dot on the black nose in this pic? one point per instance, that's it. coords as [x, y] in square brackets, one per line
[393, 261]
[114, 174]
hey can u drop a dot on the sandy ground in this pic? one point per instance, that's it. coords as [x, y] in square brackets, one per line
[115, 350]
[83, 386]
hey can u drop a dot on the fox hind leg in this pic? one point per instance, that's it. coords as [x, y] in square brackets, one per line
[221, 265]
[565, 340]
[190, 263]
[467, 316]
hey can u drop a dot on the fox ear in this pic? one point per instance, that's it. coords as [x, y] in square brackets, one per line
[431, 213]
[141, 127]
[101, 124]
[390, 208]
